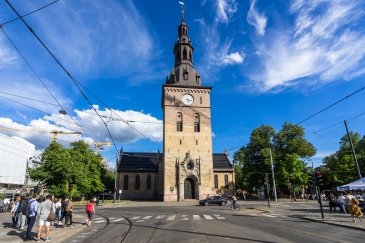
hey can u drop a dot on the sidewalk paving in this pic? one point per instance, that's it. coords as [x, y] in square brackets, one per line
[311, 211]
[9, 234]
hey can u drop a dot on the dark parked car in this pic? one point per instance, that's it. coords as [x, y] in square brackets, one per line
[106, 196]
[214, 200]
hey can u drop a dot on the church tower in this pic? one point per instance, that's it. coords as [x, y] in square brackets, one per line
[187, 166]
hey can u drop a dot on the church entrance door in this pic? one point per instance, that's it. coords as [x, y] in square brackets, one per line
[189, 192]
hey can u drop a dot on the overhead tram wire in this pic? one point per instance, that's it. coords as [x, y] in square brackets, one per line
[52, 104]
[333, 104]
[39, 79]
[64, 69]
[45, 6]
[31, 107]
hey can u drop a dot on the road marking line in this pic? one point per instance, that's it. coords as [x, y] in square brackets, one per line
[208, 216]
[172, 217]
[147, 217]
[184, 217]
[137, 217]
[99, 221]
[112, 218]
[160, 216]
[99, 218]
[117, 220]
[218, 216]
[268, 215]
[196, 217]
[141, 220]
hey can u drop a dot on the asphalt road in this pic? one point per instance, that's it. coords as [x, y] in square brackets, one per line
[208, 224]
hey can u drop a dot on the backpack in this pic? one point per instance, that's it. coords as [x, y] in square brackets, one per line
[28, 207]
[89, 207]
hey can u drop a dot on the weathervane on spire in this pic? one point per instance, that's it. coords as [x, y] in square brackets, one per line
[182, 4]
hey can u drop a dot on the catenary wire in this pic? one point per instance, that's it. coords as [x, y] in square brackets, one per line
[39, 79]
[64, 69]
[333, 104]
[45, 6]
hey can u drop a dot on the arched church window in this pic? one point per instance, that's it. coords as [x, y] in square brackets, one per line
[196, 122]
[185, 54]
[179, 122]
[137, 186]
[186, 75]
[215, 182]
[149, 182]
[125, 182]
[226, 180]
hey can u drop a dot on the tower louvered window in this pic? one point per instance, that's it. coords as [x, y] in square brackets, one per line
[196, 122]
[137, 182]
[179, 122]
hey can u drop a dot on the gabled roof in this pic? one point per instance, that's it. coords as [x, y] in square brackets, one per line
[148, 162]
[221, 162]
[136, 161]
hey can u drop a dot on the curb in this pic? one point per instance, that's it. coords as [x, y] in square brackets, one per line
[329, 223]
[259, 209]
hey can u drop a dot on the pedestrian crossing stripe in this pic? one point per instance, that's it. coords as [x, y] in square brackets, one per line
[183, 217]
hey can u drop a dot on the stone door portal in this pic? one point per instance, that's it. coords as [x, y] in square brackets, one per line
[189, 192]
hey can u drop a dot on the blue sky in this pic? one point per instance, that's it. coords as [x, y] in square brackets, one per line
[267, 61]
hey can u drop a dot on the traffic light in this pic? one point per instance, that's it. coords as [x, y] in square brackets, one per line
[319, 177]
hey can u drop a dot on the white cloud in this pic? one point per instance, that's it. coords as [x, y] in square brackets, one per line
[39, 131]
[225, 10]
[93, 37]
[233, 58]
[7, 56]
[256, 19]
[321, 48]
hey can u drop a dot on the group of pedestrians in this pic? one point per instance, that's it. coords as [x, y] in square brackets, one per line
[347, 204]
[26, 211]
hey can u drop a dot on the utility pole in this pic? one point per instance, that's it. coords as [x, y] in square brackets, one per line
[267, 189]
[353, 151]
[273, 176]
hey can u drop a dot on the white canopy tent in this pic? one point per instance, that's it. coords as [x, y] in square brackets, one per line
[356, 185]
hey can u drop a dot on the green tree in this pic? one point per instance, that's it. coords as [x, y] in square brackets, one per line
[55, 170]
[340, 166]
[88, 168]
[291, 149]
[254, 158]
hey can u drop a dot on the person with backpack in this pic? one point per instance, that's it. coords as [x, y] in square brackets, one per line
[31, 212]
[58, 207]
[90, 210]
[22, 213]
[68, 213]
[43, 215]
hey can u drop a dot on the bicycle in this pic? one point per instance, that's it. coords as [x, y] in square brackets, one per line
[230, 206]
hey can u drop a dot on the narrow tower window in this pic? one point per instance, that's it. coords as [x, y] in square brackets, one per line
[201, 100]
[185, 54]
[226, 180]
[190, 56]
[179, 122]
[196, 122]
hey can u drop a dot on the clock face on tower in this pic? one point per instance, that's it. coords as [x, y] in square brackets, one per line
[187, 99]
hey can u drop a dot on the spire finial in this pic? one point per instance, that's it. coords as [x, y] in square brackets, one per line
[182, 5]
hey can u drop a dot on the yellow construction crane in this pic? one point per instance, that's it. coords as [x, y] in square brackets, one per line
[99, 145]
[56, 133]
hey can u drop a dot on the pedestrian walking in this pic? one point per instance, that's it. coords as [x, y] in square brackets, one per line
[22, 217]
[68, 213]
[332, 202]
[342, 203]
[43, 212]
[58, 207]
[234, 201]
[352, 206]
[90, 210]
[15, 212]
[31, 212]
